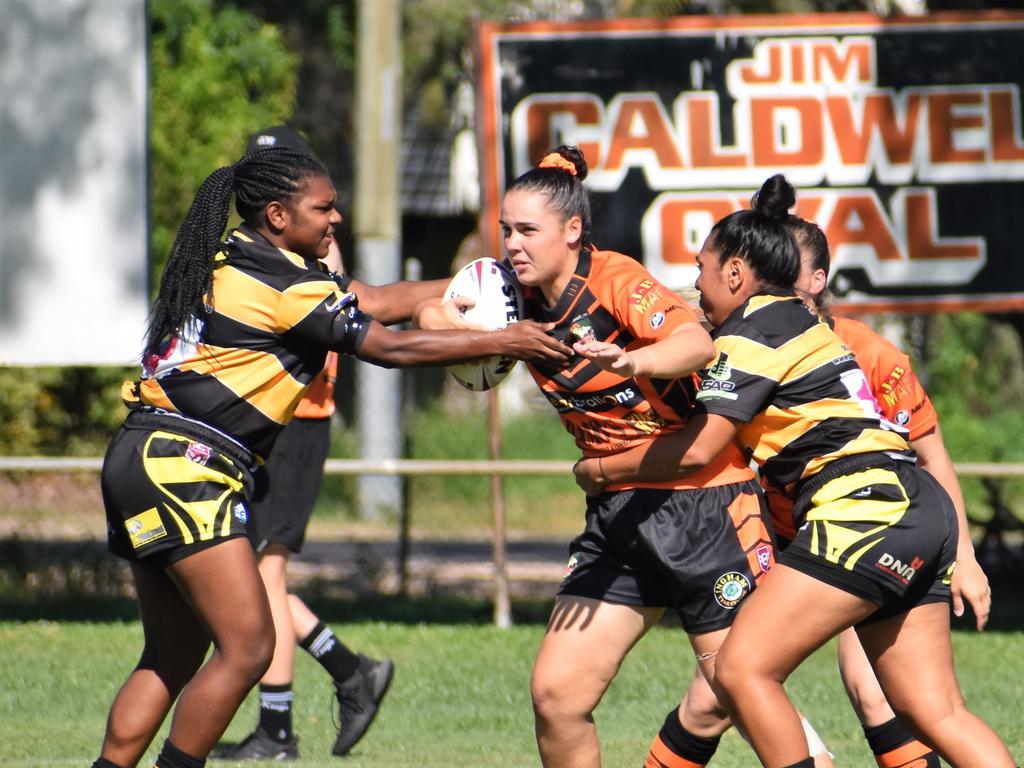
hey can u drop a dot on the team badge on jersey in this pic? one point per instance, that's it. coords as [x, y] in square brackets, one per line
[731, 588]
[582, 328]
[198, 453]
[902, 418]
[657, 319]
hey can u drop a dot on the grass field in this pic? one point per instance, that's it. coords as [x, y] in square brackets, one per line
[460, 695]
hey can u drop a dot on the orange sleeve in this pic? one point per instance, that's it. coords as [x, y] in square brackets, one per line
[641, 304]
[897, 389]
[318, 402]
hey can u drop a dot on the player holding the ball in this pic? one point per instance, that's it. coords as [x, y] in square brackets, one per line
[698, 545]
[240, 327]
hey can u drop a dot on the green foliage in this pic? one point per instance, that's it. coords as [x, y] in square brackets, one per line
[59, 411]
[217, 76]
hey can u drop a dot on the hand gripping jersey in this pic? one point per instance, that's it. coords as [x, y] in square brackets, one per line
[799, 391]
[900, 397]
[612, 298]
[244, 364]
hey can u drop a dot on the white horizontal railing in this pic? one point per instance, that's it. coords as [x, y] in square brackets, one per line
[510, 467]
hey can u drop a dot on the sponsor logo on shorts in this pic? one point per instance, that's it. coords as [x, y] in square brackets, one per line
[569, 567]
[239, 512]
[764, 556]
[145, 528]
[731, 588]
[198, 453]
[902, 572]
[657, 319]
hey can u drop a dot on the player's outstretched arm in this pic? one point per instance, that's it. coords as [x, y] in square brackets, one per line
[664, 458]
[688, 349]
[525, 340]
[969, 580]
[396, 302]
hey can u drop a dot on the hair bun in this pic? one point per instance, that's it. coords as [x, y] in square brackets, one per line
[775, 197]
[567, 158]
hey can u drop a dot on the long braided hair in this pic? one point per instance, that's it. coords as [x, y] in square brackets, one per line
[259, 178]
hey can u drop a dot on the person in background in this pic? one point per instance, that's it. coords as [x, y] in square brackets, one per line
[279, 515]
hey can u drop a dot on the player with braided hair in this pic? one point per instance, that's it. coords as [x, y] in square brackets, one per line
[239, 329]
[875, 535]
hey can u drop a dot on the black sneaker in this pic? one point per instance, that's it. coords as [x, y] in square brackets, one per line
[258, 745]
[358, 699]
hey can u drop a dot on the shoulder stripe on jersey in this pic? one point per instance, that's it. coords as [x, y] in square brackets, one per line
[244, 298]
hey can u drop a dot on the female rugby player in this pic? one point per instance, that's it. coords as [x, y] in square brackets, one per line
[238, 330]
[875, 535]
[697, 545]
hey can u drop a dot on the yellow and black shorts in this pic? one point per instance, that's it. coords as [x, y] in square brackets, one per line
[699, 551]
[172, 488]
[879, 528]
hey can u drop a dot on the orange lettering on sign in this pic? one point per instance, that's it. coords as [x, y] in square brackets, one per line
[1005, 137]
[857, 220]
[943, 123]
[539, 120]
[877, 118]
[922, 232]
[767, 136]
[680, 242]
[840, 58]
[641, 124]
[704, 136]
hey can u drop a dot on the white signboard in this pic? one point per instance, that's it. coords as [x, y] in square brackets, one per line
[73, 188]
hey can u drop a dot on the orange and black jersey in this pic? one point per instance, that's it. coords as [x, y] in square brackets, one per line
[612, 298]
[798, 388]
[243, 364]
[900, 396]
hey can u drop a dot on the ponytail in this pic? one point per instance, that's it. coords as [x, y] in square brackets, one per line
[260, 177]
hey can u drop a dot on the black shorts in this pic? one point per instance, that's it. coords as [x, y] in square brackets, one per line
[886, 532]
[172, 487]
[287, 488]
[698, 551]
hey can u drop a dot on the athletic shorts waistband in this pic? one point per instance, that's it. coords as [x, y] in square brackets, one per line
[149, 418]
[847, 465]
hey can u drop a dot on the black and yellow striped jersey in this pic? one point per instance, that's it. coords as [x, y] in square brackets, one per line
[267, 325]
[798, 389]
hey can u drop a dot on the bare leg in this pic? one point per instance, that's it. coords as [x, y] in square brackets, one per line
[227, 593]
[749, 681]
[273, 565]
[582, 650]
[175, 646]
[913, 656]
[303, 619]
[861, 684]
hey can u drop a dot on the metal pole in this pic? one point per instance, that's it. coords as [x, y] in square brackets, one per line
[502, 603]
[377, 229]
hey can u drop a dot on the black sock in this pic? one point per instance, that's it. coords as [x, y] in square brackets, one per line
[102, 762]
[893, 745]
[172, 757]
[276, 711]
[676, 746]
[808, 763]
[325, 647]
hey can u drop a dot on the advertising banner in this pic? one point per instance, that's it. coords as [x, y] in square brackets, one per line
[902, 136]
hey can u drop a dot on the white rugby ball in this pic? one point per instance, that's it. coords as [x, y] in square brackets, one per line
[499, 302]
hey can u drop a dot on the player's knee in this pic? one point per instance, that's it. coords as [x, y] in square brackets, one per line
[701, 710]
[555, 697]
